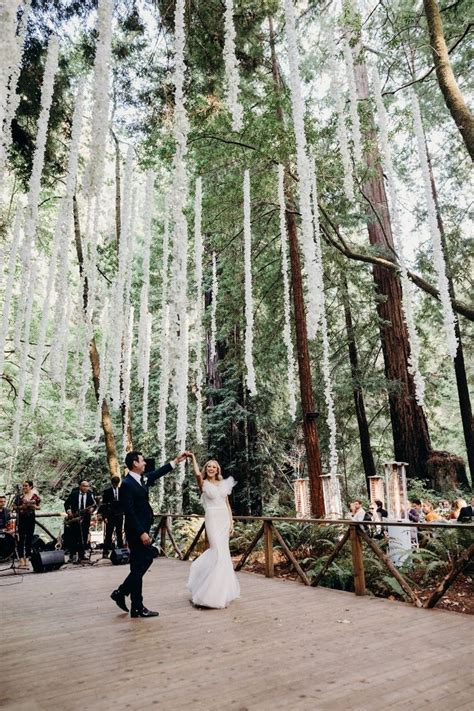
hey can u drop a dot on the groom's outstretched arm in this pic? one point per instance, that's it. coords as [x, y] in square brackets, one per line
[152, 477]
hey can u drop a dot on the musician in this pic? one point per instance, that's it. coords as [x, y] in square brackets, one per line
[79, 506]
[26, 504]
[112, 512]
[5, 514]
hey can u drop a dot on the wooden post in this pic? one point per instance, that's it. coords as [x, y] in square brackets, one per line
[357, 561]
[268, 545]
[291, 558]
[163, 527]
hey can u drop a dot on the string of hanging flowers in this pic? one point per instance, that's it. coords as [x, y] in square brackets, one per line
[407, 292]
[214, 293]
[198, 250]
[11, 276]
[231, 68]
[438, 255]
[143, 356]
[127, 374]
[290, 357]
[146, 366]
[164, 338]
[250, 377]
[353, 103]
[297, 106]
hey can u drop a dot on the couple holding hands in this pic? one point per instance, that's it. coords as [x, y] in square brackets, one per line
[212, 580]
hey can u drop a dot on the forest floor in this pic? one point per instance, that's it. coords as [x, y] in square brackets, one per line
[459, 597]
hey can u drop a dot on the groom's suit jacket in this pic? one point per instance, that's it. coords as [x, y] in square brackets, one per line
[134, 499]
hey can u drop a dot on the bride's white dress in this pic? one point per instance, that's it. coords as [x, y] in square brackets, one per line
[212, 580]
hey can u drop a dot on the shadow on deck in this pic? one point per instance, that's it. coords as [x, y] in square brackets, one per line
[281, 646]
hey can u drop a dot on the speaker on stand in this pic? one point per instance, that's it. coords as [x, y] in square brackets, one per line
[45, 561]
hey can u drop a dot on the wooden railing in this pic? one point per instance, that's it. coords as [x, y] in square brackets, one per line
[355, 533]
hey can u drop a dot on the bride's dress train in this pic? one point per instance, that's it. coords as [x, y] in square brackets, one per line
[212, 580]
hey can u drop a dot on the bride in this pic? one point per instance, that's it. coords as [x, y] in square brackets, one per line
[212, 580]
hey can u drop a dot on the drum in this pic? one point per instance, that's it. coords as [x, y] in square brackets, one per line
[7, 546]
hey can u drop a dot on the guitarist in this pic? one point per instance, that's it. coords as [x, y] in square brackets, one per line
[79, 506]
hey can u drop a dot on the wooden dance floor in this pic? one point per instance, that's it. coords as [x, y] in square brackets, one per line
[66, 646]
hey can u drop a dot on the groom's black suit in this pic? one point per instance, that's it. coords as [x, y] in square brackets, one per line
[138, 519]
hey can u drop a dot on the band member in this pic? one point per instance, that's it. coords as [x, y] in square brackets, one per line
[112, 512]
[26, 504]
[79, 506]
[5, 514]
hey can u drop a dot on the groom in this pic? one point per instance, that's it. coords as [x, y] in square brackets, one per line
[138, 519]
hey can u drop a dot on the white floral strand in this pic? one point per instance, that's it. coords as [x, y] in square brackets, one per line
[144, 294]
[297, 105]
[249, 364]
[23, 362]
[198, 250]
[338, 98]
[84, 370]
[438, 256]
[34, 185]
[105, 328]
[127, 374]
[290, 357]
[214, 293]
[94, 173]
[164, 384]
[353, 103]
[328, 390]
[59, 238]
[11, 276]
[407, 293]
[146, 379]
[231, 68]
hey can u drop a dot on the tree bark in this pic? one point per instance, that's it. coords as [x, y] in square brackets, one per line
[447, 82]
[106, 419]
[409, 427]
[364, 434]
[310, 430]
[459, 365]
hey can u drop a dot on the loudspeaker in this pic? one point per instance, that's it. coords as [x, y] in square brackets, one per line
[120, 556]
[45, 561]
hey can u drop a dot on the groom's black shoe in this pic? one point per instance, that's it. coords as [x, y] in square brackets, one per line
[143, 613]
[119, 598]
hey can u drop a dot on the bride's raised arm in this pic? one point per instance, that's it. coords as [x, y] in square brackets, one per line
[197, 471]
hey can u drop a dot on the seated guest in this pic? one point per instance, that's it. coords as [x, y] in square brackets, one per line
[430, 513]
[443, 508]
[372, 515]
[456, 507]
[5, 514]
[466, 514]
[383, 513]
[79, 505]
[415, 514]
[357, 510]
[112, 513]
[26, 504]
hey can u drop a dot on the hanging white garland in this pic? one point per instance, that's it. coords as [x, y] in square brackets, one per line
[249, 364]
[438, 256]
[146, 379]
[214, 293]
[182, 394]
[198, 250]
[34, 185]
[11, 276]
[127, 374]
[164, 383]
[338, 99]
[297, 105]
[231, 68]
[23, 363]
[64, 356]
[143, 354]
[94, 173]
[60, 237]
[397, 230]
[106, 327]
[353, 103]
[328, 390]
[290, 357]
[84, 370]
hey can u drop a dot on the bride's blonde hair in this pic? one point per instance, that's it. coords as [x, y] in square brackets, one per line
[204, 469]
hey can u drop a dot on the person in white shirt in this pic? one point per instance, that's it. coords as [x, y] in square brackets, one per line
[357, 510]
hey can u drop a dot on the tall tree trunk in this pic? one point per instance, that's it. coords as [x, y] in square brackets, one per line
[447, 82]
[364, 434]
[409, 427]
[459, 366]
[310, 429]
[106, 419]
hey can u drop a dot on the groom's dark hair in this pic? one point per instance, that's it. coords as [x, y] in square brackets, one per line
[130, 458]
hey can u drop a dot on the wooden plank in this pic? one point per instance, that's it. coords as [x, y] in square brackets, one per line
[194, 542]
[252, 545]
[290, 556]
[357, 561]
[268, 547]
[331, 558]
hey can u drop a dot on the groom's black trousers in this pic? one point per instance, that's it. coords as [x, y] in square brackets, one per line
[141, 557]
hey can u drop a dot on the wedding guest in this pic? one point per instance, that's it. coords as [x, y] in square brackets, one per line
[415, 514]
[26, 504]
[357, 510]
[5, 514]
[466, 514]
[79, 506]
[456, 507]
[383, 513]
[430, 513]
[111, 510]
